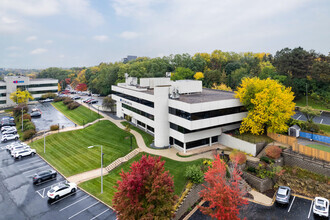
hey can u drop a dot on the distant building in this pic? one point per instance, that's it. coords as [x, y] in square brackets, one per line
[129, 58]
[36, 87]
[180, 113]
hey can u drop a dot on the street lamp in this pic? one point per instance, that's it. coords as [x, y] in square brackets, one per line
[101, 165]
[22, 118]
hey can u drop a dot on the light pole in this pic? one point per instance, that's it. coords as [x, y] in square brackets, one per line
[306, 96]
[22, 118]
[101, 165]
[44, 143]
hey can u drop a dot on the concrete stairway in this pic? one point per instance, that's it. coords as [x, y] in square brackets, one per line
[121, 160]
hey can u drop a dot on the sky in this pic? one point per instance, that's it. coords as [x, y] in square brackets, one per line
[77, 33]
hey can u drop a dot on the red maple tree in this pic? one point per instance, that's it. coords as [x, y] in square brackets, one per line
[146, 191]
[81, 87]
[67, 80]
[221, 192]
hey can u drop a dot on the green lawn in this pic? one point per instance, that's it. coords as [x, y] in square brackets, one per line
[325, 128]
[253, 138]
[148, 138]
[68, 151]
[314, 104]
[80, 115]
[177, 170]
[320, 147]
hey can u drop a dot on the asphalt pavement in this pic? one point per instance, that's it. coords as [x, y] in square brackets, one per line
[50, 116]
[21, 199]
[324, 118]
[299, 208]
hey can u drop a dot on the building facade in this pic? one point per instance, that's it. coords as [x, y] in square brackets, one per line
[179, 113]
[36, 87]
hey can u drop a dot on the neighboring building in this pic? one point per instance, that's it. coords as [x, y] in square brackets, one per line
[179, 113]
[36, 87]
[129, 58]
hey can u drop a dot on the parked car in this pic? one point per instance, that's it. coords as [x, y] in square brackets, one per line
[47, 100]
[76, 97]
[35, 114]
[44, 175]
[93, 101]
[321, 206]
[9, 131]
[9, 146]
[8, 122]
[61, 190]
[12, 147]
[9, 137]
[283, 195]
[24, 153]
[8, 128]
[18, 148]
[97, 95]
[86, 100]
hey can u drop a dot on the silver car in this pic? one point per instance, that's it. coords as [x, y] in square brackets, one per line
[283, 195]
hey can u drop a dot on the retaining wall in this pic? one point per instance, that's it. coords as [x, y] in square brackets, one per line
[259, 184]
[239, 144]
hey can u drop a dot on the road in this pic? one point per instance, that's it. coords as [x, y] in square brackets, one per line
[298, 208]
[324, 118]
[20, 199]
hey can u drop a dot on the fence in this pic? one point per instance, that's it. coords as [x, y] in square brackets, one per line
[291, 141]
[312, 152]
[315, 137]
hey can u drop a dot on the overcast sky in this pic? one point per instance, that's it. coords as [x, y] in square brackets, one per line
[68, 33]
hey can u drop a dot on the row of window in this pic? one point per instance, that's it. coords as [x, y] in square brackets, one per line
[42, 85]
[134, 99]
[3, 87]
[192, 144]
[144, 125]
[2, 101]
[3, 94]
[41, 92]
[206, 114]
[187, 131]
[137, 111]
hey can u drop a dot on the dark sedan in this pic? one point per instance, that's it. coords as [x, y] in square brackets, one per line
[35, 114]
[44, 175]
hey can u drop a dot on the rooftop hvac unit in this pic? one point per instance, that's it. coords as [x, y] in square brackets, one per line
[168, 74]
[175, 94]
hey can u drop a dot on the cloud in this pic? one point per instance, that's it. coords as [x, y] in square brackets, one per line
[82, 10]
[8, 24]
[48, 41]
[134, 8]
[31, 38]
[128, 35]
[101, 38]
[31, 7]
[61, 56]
[38, 51]
[13, 48]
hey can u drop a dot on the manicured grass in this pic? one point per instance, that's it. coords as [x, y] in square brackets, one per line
[148, 138]
[253, 138]
[325, 129]
[68, 151]
[80, 115]
[314, 104]
[320, 147]
[176, 168]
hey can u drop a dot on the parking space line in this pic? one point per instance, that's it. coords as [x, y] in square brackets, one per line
[74, 203]
[321, 121]
[36, 164]
[29, 171]
[291, 203]
[63, 198]
[298, 117]
[99, 214]
[83, 210]
[310, 210]
[29, 162]
[43, 189]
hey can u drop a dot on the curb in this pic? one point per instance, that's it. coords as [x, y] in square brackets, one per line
[77, 184]
[303, 197]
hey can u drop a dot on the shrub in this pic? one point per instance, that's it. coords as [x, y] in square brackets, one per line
[58, 99]
[27, 116]
[29, 126]
[195, 174]
[273, 151]
[251, 169]
[238, 156]
[54, 127]
[73, 105]
[28, 134]
[18, 109]
[312, 127]
[267, 160]
[67, 100]
[48, 95]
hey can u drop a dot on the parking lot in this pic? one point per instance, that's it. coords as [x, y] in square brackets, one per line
[50, 116]
[20, 199]
[298, 208]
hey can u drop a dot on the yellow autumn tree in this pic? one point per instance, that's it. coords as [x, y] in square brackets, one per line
[20, 96]
[270, 105]
[222, 86]
[199, 75]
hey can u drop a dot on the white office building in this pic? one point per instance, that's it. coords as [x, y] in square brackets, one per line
[179, 113]
[36, 87]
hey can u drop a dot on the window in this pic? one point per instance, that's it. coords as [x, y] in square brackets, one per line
[141, 123]
[42, 85]
[137, 111]
[3, 102]
[135, 99]
[197, 143]
[3, 87]
[214, 139]
[150, 128]
[179, 143]
[3, 94]
[206, 114]
[41, 92]
[187, 131]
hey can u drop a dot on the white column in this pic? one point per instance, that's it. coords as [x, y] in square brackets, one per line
[184, 148]
[162, 125]
[119, 109]
[210, 141]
